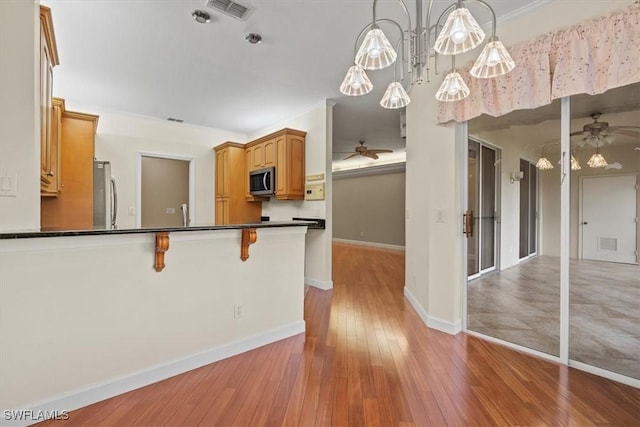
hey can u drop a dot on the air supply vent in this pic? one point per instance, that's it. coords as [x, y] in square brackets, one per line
[231, 8]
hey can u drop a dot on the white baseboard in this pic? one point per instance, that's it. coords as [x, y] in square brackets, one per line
[98, 392]
[451, 328]
[372, 244]
[325, 285]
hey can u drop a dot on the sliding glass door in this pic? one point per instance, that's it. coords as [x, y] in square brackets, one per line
[568, 278]
[482, 208]
[604, 279]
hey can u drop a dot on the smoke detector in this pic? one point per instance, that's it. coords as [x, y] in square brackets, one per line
[230, 8]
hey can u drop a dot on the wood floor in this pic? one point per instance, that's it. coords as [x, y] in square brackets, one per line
[368, 360]
[522, 305]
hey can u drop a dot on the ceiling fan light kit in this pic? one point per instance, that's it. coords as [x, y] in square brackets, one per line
[460, 33]
[596, 134]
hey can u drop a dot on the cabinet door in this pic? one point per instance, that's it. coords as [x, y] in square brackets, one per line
[281, 169]
[53, 187]
[46, 108]
[270, 153]
[295, 167]
[220, 169]
[258, 157]
[222, 211]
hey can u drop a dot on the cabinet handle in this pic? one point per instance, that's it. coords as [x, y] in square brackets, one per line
[50, 173]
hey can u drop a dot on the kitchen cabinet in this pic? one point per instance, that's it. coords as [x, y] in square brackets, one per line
[284, 150]
[49, 155]
[261, 154]
[231, 182]
[73, 208]
[290, 165]
[52, 186]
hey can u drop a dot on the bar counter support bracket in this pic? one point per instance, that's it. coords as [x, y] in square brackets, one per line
[162, 245]
[249, 237]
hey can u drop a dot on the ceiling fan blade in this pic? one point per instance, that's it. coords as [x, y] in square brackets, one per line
[380, 150]
[371, 155]
[582, 132]
[623, 127]
[351, 155]
[627, 132]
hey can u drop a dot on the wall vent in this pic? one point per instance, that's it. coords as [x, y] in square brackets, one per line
[230, 8]
[608, 244]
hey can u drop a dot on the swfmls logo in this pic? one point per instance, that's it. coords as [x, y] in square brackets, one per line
[31, 415]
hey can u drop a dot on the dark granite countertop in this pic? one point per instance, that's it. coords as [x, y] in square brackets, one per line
[68, 233]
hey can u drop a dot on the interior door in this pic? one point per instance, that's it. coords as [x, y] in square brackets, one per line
[165, 188]
[609, 218]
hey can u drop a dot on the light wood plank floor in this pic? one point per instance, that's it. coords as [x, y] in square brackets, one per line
[368, 360]
[522, 305]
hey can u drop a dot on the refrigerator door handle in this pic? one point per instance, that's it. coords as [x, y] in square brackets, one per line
[114, 204]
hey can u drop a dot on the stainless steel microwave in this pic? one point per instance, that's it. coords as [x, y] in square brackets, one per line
[262, 182]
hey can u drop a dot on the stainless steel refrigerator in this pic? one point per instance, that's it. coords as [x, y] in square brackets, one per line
[105, 197]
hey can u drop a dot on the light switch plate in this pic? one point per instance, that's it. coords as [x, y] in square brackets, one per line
[9, 185]
[314, 191]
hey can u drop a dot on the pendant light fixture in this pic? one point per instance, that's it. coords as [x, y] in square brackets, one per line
[597, 161]
[575, 166]
[460, 33]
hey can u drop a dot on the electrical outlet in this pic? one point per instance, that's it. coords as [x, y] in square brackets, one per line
[362, 234]
[132, 210]
[237, 311]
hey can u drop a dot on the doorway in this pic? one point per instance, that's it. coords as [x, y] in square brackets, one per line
[165, 191]
[483, 196]
[608, 218]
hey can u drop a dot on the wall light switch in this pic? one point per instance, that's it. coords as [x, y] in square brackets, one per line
[170, 211]
[439, 215]
[9, 185]
[317, 177]
[132, 210]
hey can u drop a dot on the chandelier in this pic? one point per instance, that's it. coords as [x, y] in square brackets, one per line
[460, 33]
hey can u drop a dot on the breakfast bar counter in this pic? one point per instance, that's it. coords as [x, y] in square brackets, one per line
[100, 314]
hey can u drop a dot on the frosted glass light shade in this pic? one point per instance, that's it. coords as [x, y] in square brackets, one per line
[395, 96]
[375, 51]
[356, 82]
[494, 61]
[575, 166]
[453, 88]
[597, 161]
[544, 164]
[460, 33]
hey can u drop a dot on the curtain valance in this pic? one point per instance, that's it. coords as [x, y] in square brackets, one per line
[591, 57]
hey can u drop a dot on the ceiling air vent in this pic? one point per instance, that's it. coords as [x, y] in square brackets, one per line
[231, 8]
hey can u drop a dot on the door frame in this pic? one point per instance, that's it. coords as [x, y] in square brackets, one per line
[581, 212]
[192, 181]
[498, 206]
[537, 214]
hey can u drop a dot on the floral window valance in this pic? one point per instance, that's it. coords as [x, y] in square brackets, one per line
[592, 57]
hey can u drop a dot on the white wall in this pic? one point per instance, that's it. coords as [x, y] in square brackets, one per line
[434, 254]
[20, 113]
[370, 208]
[121, 136]
[318, 123]
[85, 318]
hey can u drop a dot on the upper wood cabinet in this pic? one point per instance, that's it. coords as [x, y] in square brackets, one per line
[261, 154]
[285, 151]
[52, 186]
[231, 181]
[49, 155]
[290, 168]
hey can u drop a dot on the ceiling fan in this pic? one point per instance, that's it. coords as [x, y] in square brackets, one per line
[597, 133]
[362, 150]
